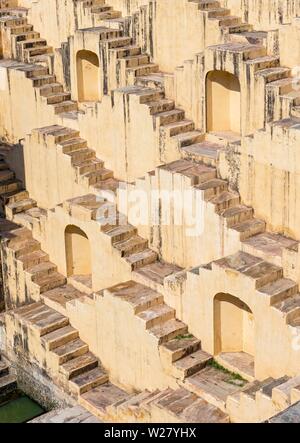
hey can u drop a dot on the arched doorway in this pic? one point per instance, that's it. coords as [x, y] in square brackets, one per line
[78, 252]
[234, 325]
[234, 335]
[223, 102]
[88, 76]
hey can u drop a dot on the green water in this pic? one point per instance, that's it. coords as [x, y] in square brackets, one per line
[19, 410]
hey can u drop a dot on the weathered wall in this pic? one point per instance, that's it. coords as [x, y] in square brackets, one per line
[121, 341]
[264, 15]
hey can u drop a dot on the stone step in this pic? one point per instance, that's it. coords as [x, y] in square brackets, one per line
[12, 22]
[289, 308]
[213, 385]
[160, 106]
[180, 127]
[197, 173]
[50, 88]
[65, 106]
[269, 246]
[14, 197]
[254, 268]
[268, 386]
[33, 258]
[42, 270]
[118, 42]
[51, 322]
[149, 95]
[249, 36]
[236, 215]
[167, 117]
[20, 29]
[282, 86]
[213, 188]
[188, 138]
[132, 245]
[79, 365]
[279, 290]
[59, 337]
[180, 347]
[127, 51]
[156, 315]
[6, 174]
[42, 80]
[19, 206]
[57, 298]
[90, 165]
[35, 312]
[31, 43]
[140, 259]
[128, 406]
[97, 400]
[273, 74]
[168, 330]
[140, 297]
[50, 281]
[132, 61]
[56, 98]
[119, 233]
[80, 155]
[238, 28]
[97, 176]
[153, 275]
[12, 185]
[245, 52]
[28, 308]
[70, 350]
[225, 21]
[73, 144]
[225, 200]
[189, 365]
[27, 35]
[88, 380]
[37, 50]
[201, 411]
[145, 69]
[206, 152]
[281, 395]
[171, 401]
[187, 407]
[24, 247]
[248, 228]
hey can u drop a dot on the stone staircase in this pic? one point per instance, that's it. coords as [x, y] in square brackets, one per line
[229, 24]
[89, 169]
[180, 351]
[133, 67]
[100, 9]
[34, 57]
[282, 294]
[80, 373]
[8, 382]
[78, 370]
[263, 399]
[167, 406]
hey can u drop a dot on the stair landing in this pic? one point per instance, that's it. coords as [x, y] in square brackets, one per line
[238, 362]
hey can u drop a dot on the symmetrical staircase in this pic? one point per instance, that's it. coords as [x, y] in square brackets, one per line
[82, 376]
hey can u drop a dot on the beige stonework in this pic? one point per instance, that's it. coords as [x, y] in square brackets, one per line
[149, 205]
